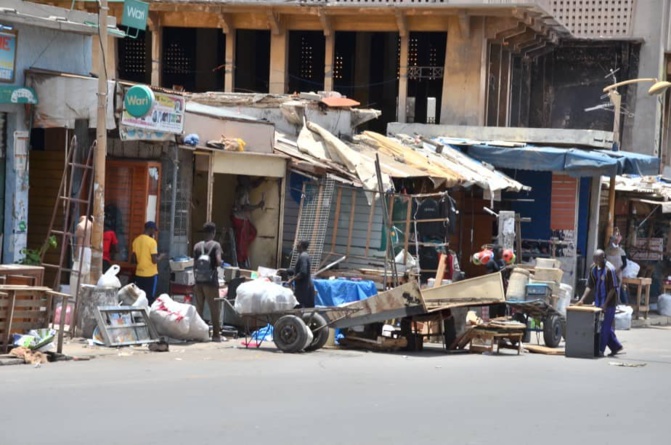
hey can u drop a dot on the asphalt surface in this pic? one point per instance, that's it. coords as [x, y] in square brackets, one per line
[216, 394]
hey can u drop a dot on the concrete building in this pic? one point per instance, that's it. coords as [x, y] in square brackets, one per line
[530, 63]
[32, 37]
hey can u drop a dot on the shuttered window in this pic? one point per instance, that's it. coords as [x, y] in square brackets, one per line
[564, 195]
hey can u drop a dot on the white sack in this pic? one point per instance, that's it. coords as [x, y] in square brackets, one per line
[664, 305]
[623, 318]
[263, 297]
[177, 320]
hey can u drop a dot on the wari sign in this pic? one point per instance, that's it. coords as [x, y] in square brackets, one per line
[17, 95]
[135, 14]
[166, 115]
[139, 100]
[7, 56]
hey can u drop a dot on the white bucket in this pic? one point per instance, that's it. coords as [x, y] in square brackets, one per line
[519, 278]
[565, 296]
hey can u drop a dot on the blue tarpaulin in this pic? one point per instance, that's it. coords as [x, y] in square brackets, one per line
[337, 292]
[575, 162]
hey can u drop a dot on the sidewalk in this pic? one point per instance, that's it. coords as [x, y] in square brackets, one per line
[654, 319]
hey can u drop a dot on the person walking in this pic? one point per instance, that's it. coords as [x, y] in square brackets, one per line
[303, 288]
[208, 254]
[145, 255]
[603, 282]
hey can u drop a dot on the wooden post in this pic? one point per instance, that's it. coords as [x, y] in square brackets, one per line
[99, 155]
[616, 99]
[336, 220]
[280, 229]
[371, 215]
[408, 214]
[351, 221]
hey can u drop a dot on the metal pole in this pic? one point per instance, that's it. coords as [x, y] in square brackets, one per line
[616, 99]
[101, 151]
[173, 203]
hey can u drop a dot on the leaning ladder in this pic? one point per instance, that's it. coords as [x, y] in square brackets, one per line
[67, 195]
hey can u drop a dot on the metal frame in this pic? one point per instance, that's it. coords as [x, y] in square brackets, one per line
[104, 327]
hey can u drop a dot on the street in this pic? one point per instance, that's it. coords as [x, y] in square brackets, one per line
[214, 394]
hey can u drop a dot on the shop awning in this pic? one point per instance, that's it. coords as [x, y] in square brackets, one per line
[575, 162]
[634, 163]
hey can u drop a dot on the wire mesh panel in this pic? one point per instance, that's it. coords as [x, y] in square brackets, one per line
[314, 220]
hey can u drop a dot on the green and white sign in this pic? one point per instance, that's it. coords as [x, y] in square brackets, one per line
[139, 100]
[135, 14]
[17, 95]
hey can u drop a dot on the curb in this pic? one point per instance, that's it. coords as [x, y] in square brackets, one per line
[650, 322]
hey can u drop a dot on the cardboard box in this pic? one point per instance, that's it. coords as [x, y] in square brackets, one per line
[185, 277]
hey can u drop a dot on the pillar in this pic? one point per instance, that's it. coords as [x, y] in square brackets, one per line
[329, 61]
[16, 188]
[278, 63]
[463, 101]
[403, 79]
[156, 54]
[362, 67]
[229, 62]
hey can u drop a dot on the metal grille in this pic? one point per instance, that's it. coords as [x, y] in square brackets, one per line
[306, 58]
[314, 217]
[133, 58]
[425, 72]
[177, 59]
[595, 18]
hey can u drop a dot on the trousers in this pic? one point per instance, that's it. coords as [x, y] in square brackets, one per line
[608, 337]
[148, 285]
[203, 293]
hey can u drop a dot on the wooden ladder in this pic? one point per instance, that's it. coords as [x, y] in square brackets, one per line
[65, 234]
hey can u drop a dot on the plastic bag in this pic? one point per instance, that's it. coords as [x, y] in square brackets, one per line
[131, 295]
[631, 270]
[664, 305]
[263, 297]
[178, 320]
[109, 278]
[623, 318]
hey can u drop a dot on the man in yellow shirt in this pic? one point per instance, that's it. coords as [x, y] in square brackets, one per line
[145, 255]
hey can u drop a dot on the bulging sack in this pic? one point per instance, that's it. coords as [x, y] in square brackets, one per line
[109, 278]
[177, 320]
[263, 297]
[664, 305]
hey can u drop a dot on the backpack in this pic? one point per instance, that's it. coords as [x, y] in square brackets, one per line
[203, 270]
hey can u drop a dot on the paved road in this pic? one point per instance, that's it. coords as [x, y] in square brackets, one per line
[220, 395]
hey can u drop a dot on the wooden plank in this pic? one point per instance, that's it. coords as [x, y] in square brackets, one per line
[397, 299]
[440, 273]
[371, 215]
[484, 290]
[351, 221]
[538, 349]
[336, 220]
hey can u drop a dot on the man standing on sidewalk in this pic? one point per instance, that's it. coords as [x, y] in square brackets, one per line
[145, 255]
[208, 258]
[603, 281]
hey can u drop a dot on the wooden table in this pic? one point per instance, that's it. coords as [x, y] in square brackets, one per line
[642, 290]
[667, 288]
[36, 272]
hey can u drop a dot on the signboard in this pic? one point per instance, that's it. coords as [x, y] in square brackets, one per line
[7, 56]
[648, 249]
[135, 14]
[166, 115]
[139, 100]
[17, 95]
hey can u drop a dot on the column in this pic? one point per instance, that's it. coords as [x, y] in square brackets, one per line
[403, 79]
[278, 63]
[464, 81]
[329, 61]
[229, 61]
[156, 54]
[362, 67]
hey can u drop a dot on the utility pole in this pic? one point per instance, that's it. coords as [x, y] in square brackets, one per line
[100, 151]
[616, 100]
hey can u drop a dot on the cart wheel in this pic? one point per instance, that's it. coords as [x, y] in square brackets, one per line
[290, 334]
[317, 324]
[552, 330]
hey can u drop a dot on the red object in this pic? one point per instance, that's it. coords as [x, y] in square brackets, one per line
[340, 102]
[109, 240]
[245, 234]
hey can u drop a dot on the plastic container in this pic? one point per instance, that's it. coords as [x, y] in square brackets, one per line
[178, 266]
[565, 296]
[519, 278]
[548, 274]
[550, 263]
[537, 291]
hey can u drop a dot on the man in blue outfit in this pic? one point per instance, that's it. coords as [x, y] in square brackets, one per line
[603, 281]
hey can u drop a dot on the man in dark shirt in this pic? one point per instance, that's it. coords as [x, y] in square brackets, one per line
[209, 291]
[495, 265]
[303, 287]
[603, 281]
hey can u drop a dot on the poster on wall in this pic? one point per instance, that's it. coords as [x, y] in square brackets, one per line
[7, 56]
[165, 115]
